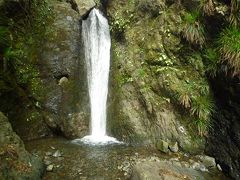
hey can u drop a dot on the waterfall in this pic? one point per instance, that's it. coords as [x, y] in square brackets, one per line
[97, 43]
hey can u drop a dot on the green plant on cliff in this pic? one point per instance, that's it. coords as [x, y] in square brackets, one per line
[119, 23]
[184, 95]
[27, 29]
[229, 48]
[234, 17]
[5, 45]
[211, 61]
[4, 38]
[194, 97]
[207, 7]
[202, 108]
[193, 29]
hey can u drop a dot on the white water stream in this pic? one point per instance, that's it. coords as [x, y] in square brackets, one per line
[97, 43]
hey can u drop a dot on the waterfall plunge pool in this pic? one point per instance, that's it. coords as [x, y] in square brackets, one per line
[88, 162]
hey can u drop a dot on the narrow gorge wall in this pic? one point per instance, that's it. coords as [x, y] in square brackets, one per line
[224, 139]
[63, 73]
[51, 95]
[149, 69]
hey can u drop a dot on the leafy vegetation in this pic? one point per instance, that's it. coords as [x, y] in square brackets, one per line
[193, 29]
[211, 61]
[221, 51]
[207, 7]
[21, 34]
[196, 99]
[229, 47]
[234, 17]
[120, 22]
[202, 108]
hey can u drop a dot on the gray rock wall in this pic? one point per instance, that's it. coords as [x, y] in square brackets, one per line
[146, 72]
[64, 76]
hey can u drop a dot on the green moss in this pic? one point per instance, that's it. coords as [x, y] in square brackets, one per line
[26, 31]
[154, 61]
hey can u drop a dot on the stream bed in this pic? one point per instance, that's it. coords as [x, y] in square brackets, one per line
[66, 160]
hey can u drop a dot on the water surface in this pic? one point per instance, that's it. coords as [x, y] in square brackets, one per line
[96, 162]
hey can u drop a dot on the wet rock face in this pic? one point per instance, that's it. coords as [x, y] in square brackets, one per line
[62, 67]
[141, 107]
[15, 161]
[224, 139]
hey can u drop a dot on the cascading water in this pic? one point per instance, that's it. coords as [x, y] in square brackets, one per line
[97, 43]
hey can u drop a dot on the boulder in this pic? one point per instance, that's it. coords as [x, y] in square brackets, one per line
[84, 6]
[173, 147]
[57, 154]
[63, 81]
[162, 146]
[15, 161]
[207, 161]
[50, 167]
[163, 170]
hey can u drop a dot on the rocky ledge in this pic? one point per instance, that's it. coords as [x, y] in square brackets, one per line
[158, 169]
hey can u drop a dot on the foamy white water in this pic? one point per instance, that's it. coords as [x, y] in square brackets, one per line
[97, 44]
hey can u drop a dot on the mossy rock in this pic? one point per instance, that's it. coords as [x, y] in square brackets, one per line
[16, 162]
